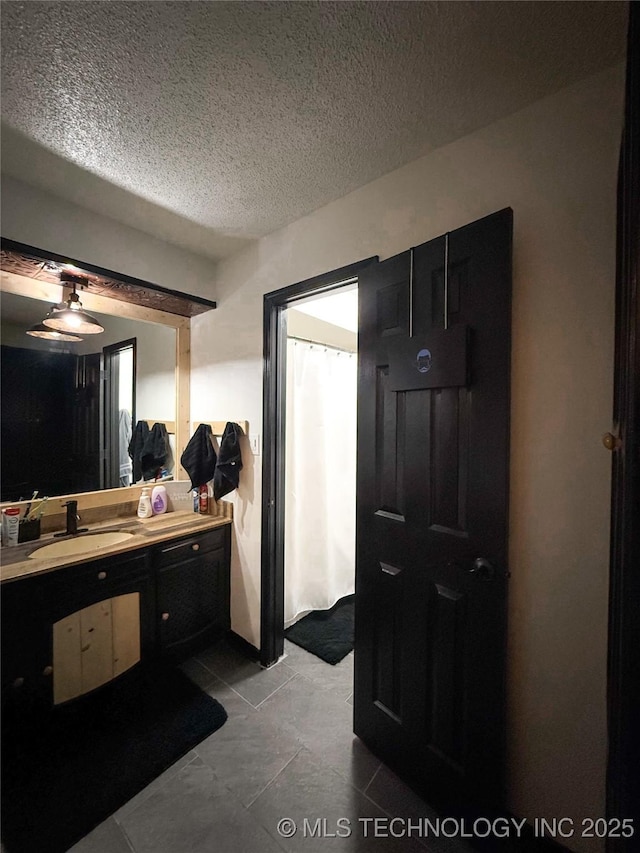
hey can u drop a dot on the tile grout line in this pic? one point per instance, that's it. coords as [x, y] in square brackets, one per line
[125, 835]
[271, 781]
[238, 694]
[273, 692]
[439, 848]
[370, 782]
[267, 828]
[231, 687]
[160, 787]
[323, 687]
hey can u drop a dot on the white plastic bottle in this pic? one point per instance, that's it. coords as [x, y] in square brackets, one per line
[144, 505]
[159, 500]
[10, 522]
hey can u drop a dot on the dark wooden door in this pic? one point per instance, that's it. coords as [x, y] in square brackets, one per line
[85, 446]
[432, 505]
[36, 389]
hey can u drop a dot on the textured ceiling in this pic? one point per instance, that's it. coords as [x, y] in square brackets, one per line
[210, 123]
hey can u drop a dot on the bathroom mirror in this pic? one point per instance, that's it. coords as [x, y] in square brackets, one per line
[62, 401]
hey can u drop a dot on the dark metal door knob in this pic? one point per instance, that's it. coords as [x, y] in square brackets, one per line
[483, 569]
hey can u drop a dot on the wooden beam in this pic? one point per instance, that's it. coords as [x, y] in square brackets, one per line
[183, 396]
[45, 291]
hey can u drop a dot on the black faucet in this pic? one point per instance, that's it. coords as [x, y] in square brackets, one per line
[72, 520]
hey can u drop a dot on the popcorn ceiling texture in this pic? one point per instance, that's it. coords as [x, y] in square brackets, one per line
[241, 117]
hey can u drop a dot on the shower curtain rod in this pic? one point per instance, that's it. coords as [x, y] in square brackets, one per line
[318, 344]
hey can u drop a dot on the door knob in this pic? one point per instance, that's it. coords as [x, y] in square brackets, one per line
[610, 441]
[483, 569]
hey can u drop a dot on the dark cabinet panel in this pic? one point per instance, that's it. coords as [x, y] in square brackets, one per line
[174, 552]
[192, 592]
[26, 640]
[78, 586]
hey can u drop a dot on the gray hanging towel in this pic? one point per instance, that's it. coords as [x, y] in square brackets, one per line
[124, 439]
[138, 439]
[199, 456]
[156, 452]
[229, 465]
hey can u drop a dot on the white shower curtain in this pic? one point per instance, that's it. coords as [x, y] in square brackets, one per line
[320, 495]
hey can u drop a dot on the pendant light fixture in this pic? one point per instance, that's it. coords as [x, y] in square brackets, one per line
[42, 331]
[72, 319]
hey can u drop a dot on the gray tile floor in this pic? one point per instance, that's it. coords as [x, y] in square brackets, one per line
[286, 752]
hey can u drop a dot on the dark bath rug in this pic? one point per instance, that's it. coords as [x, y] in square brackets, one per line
[328, 634]
[67, 770]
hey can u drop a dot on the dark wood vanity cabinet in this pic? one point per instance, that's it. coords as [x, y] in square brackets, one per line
[167, 600]
[192, 591]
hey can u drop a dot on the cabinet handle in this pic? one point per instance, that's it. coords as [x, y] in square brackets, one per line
[195, 547]
[101, 576]
[165, 616]
[47, 670]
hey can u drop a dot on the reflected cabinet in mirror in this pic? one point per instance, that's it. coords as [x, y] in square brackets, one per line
[68, 408]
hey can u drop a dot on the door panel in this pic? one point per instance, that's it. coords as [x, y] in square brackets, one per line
[388, 651]
[445, 683]
[432, 511]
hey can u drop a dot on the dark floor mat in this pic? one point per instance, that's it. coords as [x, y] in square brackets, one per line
[65, 771]
[328, 634]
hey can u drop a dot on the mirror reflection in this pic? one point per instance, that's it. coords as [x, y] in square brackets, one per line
[68, 408]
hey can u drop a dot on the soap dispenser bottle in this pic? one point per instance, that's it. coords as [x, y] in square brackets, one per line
[145, 509]
[159, 500]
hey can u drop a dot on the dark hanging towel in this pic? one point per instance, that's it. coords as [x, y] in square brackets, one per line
[156, 452]
[227, 473]
[138, 439]
[199, 456]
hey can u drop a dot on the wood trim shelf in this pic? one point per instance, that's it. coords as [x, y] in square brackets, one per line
[170, 426]
[217, 427]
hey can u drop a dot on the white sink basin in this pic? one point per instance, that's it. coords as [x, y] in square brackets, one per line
[81, 545]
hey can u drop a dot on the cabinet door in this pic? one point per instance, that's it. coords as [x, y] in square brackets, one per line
[76, 587]
[44, 639]
[26, 639]
[192, 601]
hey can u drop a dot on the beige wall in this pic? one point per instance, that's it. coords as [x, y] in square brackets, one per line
[555, 164]
[42, 220]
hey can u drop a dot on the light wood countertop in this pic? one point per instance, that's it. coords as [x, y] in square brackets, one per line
[16, 562]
